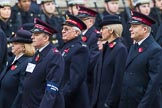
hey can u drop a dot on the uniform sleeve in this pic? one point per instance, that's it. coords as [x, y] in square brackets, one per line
[17, 103]
[94, 52]
[78, 71]
[155, 76]
[55, 69]
[115, 90]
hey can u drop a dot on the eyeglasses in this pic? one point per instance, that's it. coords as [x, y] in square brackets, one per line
[66, 29]
[83, 19]
[103, 28]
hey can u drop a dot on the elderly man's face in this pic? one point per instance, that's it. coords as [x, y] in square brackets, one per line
[68, 33]
[39, 39]
[137, 32]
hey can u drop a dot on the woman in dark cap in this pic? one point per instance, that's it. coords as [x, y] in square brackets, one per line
[11, 78]
[110, 66]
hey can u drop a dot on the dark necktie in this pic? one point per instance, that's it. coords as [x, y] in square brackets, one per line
[37, 56]
[133, 49]
[136, 46]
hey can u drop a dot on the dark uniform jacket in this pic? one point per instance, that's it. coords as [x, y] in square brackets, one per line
[55, 22]
[109, 74]
[158, 36]
[19, 17]
[6, 27]
[11, 81]
[3, 50]
[141, 79]
[74, 87]
[43, 78]
[91, 38]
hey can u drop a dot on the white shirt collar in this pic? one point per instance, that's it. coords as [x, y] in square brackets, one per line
[43, 47]
[84, 32]
[140, 42]
[17, 57]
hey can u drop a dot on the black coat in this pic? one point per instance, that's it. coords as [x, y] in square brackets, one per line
[109, 74]
[43, 78]
[11, 81]
[91, 38]
[3, 50]
[19, 17]
[74, 86]
[141, 81]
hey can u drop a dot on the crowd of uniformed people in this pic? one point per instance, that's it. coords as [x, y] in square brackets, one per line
[82, 58]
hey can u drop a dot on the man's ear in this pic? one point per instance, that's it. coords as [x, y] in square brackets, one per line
[145, 29]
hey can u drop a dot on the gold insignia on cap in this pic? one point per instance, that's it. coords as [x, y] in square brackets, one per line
[67, 17]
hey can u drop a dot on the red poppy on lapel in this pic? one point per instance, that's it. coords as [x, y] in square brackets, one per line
[66, 50]
[140, 49]
[37, 58]
[112, 44]
[55, 50]
[13, 67]
[84, 38]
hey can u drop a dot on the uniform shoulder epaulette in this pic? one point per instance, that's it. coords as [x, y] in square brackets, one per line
[83, 44]
[97, 31]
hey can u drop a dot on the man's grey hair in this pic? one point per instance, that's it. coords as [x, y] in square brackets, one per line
[76, 28]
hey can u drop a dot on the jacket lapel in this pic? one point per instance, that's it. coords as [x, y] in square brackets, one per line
[142, 48]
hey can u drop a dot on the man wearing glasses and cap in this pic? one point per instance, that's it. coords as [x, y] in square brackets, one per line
[76, 55]
[44, 73]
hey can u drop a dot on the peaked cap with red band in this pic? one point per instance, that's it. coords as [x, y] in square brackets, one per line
[40, 26]
[110, 0]
[139, 18]
[86, 12]
[74, 21]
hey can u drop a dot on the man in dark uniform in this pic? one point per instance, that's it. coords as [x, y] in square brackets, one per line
[142, 78]
[156, 11]
[90, 36]
[22, 13]
[44, 73]
[48, 15]
[5, 13]
[3, 48]
[76, 55]
[111, 7]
